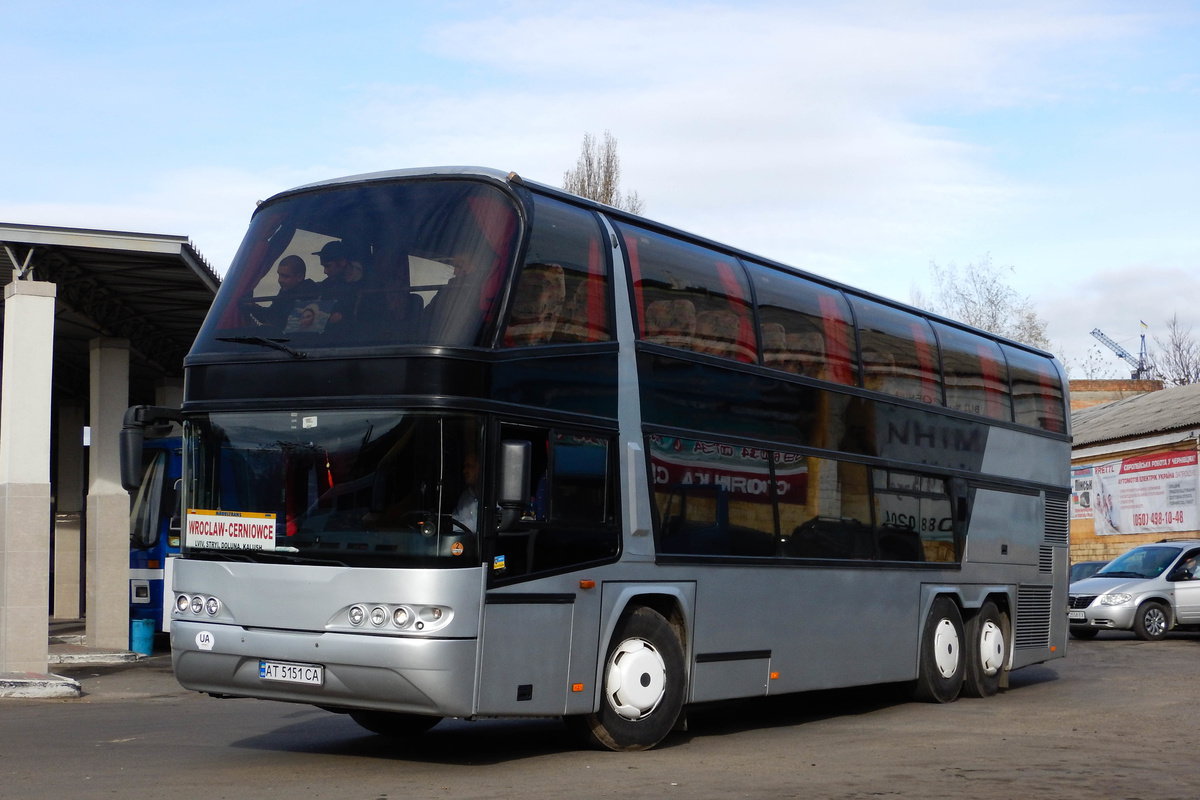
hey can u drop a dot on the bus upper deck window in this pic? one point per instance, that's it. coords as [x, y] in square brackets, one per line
[804, 327]
[561, 294]
[899, 353]
[689, 297]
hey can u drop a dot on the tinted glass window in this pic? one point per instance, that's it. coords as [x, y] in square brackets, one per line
[914, 518]
[805, 327]
[975, 372]
[825, 511]
[899, 355]
[689, 297]
[382, 263]
[1037, 392]
[571, 517]
[562, 292]
[712, 498]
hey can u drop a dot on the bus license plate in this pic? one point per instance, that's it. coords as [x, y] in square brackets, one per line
[1077, 616]
[311, 674]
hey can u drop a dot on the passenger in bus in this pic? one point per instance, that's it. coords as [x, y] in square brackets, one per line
[343, 277]
[295, 291]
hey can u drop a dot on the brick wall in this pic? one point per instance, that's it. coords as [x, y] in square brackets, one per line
[1093, 393]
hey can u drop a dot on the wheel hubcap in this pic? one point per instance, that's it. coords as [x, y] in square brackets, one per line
[1156, 622]
[636, 679]
[991, 648]
[945, 648]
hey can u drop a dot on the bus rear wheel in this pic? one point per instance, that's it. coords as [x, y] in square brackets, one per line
[987, 650]
[940, 675]
[394, 724]
[643, 686]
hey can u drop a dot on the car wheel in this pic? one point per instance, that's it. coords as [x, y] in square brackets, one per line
[1152, 621]
[987, 651]
[1085, 634]
[393, 724]
[643, 686]
[940, 675]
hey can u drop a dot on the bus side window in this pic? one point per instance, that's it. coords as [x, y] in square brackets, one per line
[561, 295]
[571, 514]
[690, 297]
[712, 499]
[914, 517]
[824, 509]
[899, 353]
[1037, 390]
[976, 374]
[805, 327]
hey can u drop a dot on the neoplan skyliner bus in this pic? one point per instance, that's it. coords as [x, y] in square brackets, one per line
[520, 454]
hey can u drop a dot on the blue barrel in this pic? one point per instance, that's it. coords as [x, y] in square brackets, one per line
[141, 636]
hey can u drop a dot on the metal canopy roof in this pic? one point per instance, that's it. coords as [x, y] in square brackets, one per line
[151, 289]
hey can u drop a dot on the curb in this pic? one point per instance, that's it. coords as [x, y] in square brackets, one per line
[36, 684]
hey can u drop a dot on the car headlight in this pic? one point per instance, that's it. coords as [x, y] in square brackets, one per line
[1118, 599]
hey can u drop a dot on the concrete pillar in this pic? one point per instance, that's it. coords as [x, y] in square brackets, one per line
[25, 392]
[107, 503]
[169, 394]
[68, 514]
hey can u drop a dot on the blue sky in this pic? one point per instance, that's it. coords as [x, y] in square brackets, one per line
[858, 140]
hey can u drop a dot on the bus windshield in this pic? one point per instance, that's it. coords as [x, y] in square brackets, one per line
[417, 262]
[371, 488]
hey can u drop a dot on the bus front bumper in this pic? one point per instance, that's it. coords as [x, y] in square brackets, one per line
[387, 673]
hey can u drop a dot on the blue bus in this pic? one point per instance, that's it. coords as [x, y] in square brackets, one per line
[154, 534]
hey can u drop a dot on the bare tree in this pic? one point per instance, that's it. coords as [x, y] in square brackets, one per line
[979, 295]
[1178, 358]
[597, 175]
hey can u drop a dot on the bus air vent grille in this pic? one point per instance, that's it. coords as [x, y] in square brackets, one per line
[1033, 617]
[1045, 559]
[1058, 519]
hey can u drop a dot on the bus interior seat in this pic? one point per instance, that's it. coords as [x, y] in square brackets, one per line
[716, 333]
[830, 537]
[671, 322]
[537, 304]
[899, 544]
[774, 343]
[574, 324]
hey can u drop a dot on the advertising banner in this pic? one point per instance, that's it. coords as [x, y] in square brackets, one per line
[1154, 493]
[1081, 492]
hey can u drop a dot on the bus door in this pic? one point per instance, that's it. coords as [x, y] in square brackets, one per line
[541, 613]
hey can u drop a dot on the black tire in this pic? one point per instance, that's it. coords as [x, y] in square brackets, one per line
[394, 724]
[941, 672]
[986, 653]
[644, 646]
[1152, 621]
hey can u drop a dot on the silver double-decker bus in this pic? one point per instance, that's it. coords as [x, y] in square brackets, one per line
[457, 444]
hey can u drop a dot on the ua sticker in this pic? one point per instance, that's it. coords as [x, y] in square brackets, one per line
[204, 640]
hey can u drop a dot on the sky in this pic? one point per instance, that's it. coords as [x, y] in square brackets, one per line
[861, 141]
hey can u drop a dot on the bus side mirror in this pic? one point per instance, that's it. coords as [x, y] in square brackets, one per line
[133, 433]
[513, 486]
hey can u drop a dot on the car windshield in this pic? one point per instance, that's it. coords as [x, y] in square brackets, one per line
[371, 487]
[399, 263]
[1141, 562]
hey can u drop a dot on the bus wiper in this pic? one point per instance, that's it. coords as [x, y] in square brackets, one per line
[275, 344]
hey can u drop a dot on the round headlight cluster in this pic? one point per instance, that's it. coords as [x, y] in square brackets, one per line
[197, 604]
[402, 617]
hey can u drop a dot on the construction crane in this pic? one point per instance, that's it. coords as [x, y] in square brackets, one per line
[1141, 364]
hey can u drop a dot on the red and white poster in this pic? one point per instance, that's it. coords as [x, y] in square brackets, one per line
[1082, 481]
[1154, 493]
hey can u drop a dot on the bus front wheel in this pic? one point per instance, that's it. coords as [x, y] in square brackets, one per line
[643, 686]
[394, 724]
[940, 675]
[987, 650]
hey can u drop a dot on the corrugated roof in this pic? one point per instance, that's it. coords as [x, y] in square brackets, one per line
[1177, 408]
